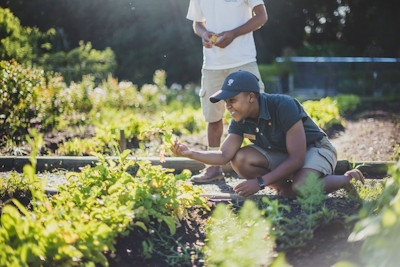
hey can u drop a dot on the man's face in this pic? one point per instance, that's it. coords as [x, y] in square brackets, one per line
[240, 105]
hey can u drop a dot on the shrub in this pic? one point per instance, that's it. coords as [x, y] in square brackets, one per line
[379, 225]
[347, 103]
[81, 61]
[324, 112]
[19, 90]
[239, 240]
[15, 43]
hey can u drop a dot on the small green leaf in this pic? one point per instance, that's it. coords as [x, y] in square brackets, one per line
[171, 223]
[141, 225]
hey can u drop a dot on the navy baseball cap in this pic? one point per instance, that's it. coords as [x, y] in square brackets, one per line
[235, 83]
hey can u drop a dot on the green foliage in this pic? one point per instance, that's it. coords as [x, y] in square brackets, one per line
[30, 96]
[296, 232]
[122, 95]
[396, 153]
[239, 240]
[19, 90]
[23, 44]
[274, 210]
[82, 221]
[55, 101]
[85, 147]
[81, 61]
[145, 40]
[80, 93]
[379, 224]
[14, 38]
[29, 45]
[324, 112]
[367, 193]
[327, 111]
[347, 103]
[311, 193]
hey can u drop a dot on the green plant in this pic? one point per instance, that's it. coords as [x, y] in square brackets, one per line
[80, 62]
[15, 41]
[19, 89]
[311, 194]
[239, 240]
[300, 228]
[159, 242]
[324, 112]
[274, 210]
[84, 147]
[396, 152]
[379, 224]
[76, 226]
[347, 103]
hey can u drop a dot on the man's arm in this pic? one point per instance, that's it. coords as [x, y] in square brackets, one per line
[259, 18]
[200, 29]
[223, 156]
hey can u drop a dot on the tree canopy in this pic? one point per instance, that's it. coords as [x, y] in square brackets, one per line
[153, 34]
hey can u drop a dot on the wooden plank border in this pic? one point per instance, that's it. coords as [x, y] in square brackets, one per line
[71, 163]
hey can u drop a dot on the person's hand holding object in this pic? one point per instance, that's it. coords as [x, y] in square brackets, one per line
[180, 149]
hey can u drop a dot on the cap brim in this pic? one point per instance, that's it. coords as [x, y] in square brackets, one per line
[222, 95]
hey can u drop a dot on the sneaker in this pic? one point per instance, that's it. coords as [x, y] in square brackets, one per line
[354, 174]
[208, 175]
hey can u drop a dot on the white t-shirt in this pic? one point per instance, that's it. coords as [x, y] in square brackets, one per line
[225, 15]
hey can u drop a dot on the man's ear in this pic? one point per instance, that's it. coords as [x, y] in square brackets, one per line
[252, 97]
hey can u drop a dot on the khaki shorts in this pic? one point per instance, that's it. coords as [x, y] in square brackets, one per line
[322, 159]
[211, 82]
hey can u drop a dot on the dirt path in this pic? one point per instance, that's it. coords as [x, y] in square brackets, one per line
[373, 137]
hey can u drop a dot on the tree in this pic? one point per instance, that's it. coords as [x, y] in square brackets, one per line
[14, 38]
[373, 27]
[153, 34]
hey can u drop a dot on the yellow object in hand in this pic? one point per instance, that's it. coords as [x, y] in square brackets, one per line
[214, 38]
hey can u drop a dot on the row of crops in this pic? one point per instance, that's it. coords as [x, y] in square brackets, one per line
[31, 98]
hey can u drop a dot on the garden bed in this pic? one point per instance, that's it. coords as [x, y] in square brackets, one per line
[371, 136]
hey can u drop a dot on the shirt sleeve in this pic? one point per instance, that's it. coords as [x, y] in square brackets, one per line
[253, 3]
[194, 12]
[235, 128]
[289, 113]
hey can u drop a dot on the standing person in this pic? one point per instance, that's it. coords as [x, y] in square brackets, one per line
[226, 29]
[287, 144]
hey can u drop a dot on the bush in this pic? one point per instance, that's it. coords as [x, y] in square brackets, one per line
[324, 112]
[347, 103]
[19, 90]
[379, 225]
[239, 240]
[81, 61]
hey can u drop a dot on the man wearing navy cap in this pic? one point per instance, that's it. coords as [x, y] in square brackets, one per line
[287, 144]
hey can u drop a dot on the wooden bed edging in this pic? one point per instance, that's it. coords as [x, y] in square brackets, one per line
[71, 163]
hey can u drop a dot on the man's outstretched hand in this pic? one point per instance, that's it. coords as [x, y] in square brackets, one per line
[180, 149]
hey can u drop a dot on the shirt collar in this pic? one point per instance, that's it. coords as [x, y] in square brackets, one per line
[264, 113]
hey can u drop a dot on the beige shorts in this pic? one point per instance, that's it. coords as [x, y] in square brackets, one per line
[322, 159]
[211, 82]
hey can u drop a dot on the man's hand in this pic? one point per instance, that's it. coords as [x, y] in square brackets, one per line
[225, 39]
[247, 188]
[207, 39]
[180, 149]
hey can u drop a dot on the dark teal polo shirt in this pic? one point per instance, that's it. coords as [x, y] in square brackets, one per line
[278, 113]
